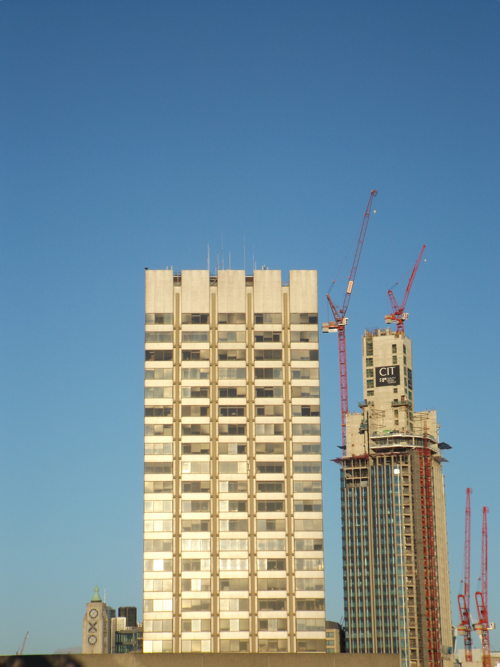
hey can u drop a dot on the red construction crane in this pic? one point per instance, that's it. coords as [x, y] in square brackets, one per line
[464, 628]
[398, 314]
[340, 320]
[483, 625]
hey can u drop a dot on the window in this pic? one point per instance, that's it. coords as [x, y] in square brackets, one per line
[232, 355]
[268, 429]
[195, 429]
[271, 564]
[305, 373]
[271, 545]
[158, 565]
[233, 564]
[305, 392]
[307, 448]
[268, 336]
[309, 584]
[269, 392]
[160, 448]
[195, 355]
[157, 545]
[196, 625]
[269, 447]
[232, 505]
[233, 545]
[306, 429]
[305, 410]
[158, 429]
[267, 318]
[314, 604]
[158, 355]
[158, 411]
[195, 525]
[195, 564]
[232, 392]
[233, 645]
[304, 355]
[194, 318]
[272, 624]
[239, 486]
[195, 505]
[232, 448]
[195, 336]
[195, 373]
[273, 584]
[195, 447]
[231, 318]
[232, 373]
[304, 336]
[369, 347]
[158, 392]
[268, 355]
[158, 374]
[158, 506]
[233, 585]
[231, 336]
[268, 373]
[270, 487]
[308, 524]
[369, 361]
[195, 467]
[196, 545]
[270, 604]
[158, 318]
[233, 604]
[309, 486]
[307, 506]
[163, 486]
[269, 467]
[269, 410]
[311, 624]
[233, 525]
[232, 411]
[270, 506]
[197, 486]
[232, 429]
[195, 392]
[308, 544]
[311, 564]
[158, 337]
[232, 467]
[270, 525]
[195, 410]
[154, 468]
[194, 605]
[303, 318]
[307, 467]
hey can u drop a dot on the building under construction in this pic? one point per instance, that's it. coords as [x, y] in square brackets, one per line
[395, 555]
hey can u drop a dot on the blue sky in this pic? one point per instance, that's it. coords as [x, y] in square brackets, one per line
[135, 134]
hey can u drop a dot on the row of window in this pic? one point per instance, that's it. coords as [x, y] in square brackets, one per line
[232, 525]
[223, 429]
[262, 467]
[308, 584]
[231, 318]
[225, 604]
[233, 392]
[204, 544]
[308, 336]
[237, 486]
[237, 624]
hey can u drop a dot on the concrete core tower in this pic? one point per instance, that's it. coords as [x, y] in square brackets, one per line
[395, 555]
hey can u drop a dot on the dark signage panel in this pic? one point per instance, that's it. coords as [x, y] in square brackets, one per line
[386, 376]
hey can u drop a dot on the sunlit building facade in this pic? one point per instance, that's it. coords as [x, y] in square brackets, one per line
[233, 534]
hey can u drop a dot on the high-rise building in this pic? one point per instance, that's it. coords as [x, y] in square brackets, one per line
[233, 535]
[396, 583]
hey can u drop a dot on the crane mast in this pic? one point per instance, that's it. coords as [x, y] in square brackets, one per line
[339, 322]
[398, 315]
[464, 627]
[483, 625]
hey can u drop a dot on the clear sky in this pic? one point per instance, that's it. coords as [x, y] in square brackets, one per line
[135, 134]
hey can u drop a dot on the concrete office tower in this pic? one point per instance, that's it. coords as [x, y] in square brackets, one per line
[396, 584]
[233, 535]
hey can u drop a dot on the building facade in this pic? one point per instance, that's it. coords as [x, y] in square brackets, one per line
[396, 583]
[233, 534]
[104, 632]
